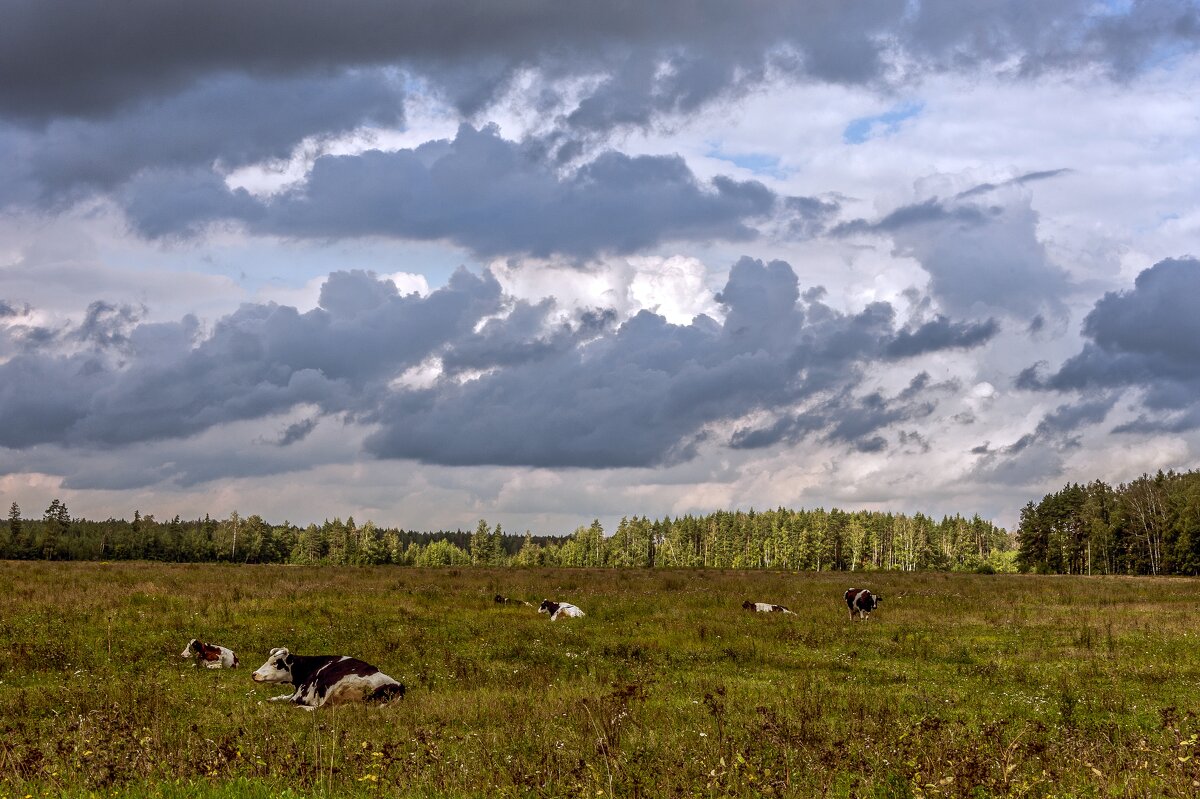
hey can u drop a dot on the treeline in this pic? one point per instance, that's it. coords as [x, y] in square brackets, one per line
[1148, 526]
[778, 539]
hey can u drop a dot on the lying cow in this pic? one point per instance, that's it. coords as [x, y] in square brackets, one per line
[327, 679]
[764, 607]
[211, 655]
[559, 610]
[862, 602]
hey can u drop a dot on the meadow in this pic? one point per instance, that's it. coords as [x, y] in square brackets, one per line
[959, 685]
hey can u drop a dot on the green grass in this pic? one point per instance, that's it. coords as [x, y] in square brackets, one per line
[960, 685]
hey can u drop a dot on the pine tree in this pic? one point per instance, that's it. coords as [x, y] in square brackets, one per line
[496, 547]
[373, 550]
[531, 554]
[310, 546]
[55, 523]
[16, 533]
[480, 544]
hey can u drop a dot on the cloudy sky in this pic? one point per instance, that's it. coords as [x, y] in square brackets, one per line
[543, 262]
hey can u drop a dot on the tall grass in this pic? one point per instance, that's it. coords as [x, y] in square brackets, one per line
[959, 685]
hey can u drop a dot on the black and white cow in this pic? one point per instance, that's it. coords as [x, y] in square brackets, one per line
[559, 610]
[764, 607]
[327, 679]
[210, 655]
[862, 602]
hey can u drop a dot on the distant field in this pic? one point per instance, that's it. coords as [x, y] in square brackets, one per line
[960, 685]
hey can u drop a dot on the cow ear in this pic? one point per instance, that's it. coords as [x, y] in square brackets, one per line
[289, 659]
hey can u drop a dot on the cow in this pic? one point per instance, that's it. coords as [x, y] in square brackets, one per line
[559, 609]
[211, 655]
[764, 607]
[326, 679]
[503, 600]
[862, 602]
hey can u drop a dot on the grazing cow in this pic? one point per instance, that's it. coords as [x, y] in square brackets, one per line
[862, 602]
[764, 607]
[211, 655]
[503, 600]
[327, 679]
[558, 609]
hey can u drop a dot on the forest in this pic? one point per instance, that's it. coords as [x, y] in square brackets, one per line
[818, 540]
[1148, 526]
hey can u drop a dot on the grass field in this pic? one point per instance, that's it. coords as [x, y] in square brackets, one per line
[960, 685]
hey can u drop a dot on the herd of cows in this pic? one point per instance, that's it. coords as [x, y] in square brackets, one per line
[321, 680]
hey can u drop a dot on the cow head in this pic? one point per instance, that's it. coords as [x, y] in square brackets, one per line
[191, 649]
[547, 606]
[278, 667]
[748, 605]
[501, 599]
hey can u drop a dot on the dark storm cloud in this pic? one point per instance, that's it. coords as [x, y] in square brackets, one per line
[520, 384]
[924, 213]
[154, 103]
[941, 334]
[646, 394]
[1018, 466]
[1066, 419]
[1051, 35]
[180, 204]
[914, 443]
[480, 191]
[1147, 338]
[1038, 455]
[525, 335]
[1170, 423]
[1152, 31]
[170, 381]
[106, 325]
[1029, 177]
[7, 309]
[979, 257]
[228, 120]
[807, 217]
[845, 419]
[297, 431]
[658, 58]
[181, 463]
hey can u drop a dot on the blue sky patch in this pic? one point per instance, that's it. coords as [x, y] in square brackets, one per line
[758, 163]
[864, 128]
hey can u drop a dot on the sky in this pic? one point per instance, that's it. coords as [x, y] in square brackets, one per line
[553, 261]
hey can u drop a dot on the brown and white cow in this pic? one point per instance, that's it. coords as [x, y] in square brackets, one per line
[559, 610]
[327, 679]
[210, 655]
[862, 602]
[763, 607]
